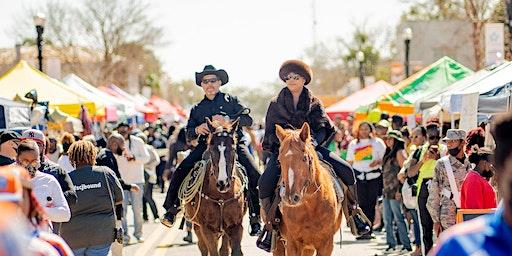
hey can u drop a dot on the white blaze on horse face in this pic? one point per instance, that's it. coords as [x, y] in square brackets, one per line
[223, 175]
[291, 177]
[289, 153]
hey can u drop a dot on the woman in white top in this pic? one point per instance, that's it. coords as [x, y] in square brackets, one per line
[45, 187]
[64, 163]
[365, 154]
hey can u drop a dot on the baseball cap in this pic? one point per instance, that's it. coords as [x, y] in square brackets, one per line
[33, 134]
[9, 135]
[12, 181]
[384, 123]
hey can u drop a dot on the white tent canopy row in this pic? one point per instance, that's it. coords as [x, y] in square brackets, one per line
[124, 108]
[493, 87]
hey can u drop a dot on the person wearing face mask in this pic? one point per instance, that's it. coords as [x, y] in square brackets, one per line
[45, 187]
[489, 234]
[8, 144]
[65, 182]
[444, 191]
[476, 192]
[67, 140]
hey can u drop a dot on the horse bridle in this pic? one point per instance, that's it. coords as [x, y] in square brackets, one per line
[222, 133]
[308, 182]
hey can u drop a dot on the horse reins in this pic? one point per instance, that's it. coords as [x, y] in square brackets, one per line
[221, 203]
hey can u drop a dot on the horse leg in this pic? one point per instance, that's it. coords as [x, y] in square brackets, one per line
[211, 241]
[201, 241]
[224, 249]
[325, 248]
[280, 248]
[235, 239]
[293, 248]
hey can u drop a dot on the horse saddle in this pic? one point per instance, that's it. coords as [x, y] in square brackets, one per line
[338, 184]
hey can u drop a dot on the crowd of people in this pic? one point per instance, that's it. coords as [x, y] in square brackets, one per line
[407, 180]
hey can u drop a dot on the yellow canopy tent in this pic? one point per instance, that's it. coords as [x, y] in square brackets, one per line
[22, 78]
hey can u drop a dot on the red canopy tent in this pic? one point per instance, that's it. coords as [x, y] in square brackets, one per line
[362, 97]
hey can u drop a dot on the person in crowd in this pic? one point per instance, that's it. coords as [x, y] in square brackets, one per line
[294, 106]
[66, 141]
[90, 138]
[341, 140]
[449, 173]
[381, 128]
[49, 167]
[91, 228]
[365, 154]
[397, 122]
[9, 141]
[103, 136]
[418, 139]
[16, 196]
[215, 105]
[393, 161]
[131, 167]
[177, 145]
[406, 135]
[476, 192]
[423, 168]
[149, 180]
[54, 150]
[475, 139]
[490, 234]
[106, 157]
[45, 187]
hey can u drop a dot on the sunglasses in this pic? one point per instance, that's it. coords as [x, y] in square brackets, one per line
[211, 80]
[34, 164]
[433, 137]
[290, 77]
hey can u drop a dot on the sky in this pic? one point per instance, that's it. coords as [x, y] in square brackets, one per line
[249, 39]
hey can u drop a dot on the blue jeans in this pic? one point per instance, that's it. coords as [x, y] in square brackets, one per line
[392, 211]
[417, 235]
[135, 198]
[97, 250]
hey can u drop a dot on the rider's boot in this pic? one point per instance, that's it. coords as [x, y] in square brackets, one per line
[264, 241]
[169, 217]
[254, 215]
[358, 222]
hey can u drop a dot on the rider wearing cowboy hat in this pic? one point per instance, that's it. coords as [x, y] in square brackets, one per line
[216, 106]
[294, 106]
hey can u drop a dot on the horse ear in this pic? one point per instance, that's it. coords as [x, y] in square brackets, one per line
[280, 132]
[211, 127]
[234, 125]
[304, 132]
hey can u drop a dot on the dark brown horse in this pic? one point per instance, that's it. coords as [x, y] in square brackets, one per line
[311, 212]
[218, 209]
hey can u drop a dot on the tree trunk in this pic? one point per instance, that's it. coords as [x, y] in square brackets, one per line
[477, 43]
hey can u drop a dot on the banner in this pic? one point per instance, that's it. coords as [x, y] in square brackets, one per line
[468, 112]
[494, 43]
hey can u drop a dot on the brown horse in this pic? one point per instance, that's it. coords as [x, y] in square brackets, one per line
[218, 209]
[311, 213]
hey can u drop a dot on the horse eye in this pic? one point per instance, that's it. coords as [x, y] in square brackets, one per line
[305, 158]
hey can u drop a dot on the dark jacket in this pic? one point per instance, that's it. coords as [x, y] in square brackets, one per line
[65, 182]
[106, 158]
[222, 104]
[282, 111]
[6, 161]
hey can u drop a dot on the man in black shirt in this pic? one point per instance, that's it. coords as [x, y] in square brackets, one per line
[8, 145]
[115, 145]
[216, 106]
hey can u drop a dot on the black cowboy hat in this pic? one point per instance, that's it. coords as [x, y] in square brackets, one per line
[298, 67]
[211, 70]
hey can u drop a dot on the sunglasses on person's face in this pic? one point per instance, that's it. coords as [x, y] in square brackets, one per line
[211, 80]
[290, 77]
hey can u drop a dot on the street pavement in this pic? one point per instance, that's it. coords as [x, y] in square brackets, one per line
[162, 241]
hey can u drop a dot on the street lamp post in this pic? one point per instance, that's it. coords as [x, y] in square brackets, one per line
[360, 59]
[407, 40]
[39, 21]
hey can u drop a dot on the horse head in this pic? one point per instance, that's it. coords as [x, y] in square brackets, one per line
[297, 157]
[222, 151]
